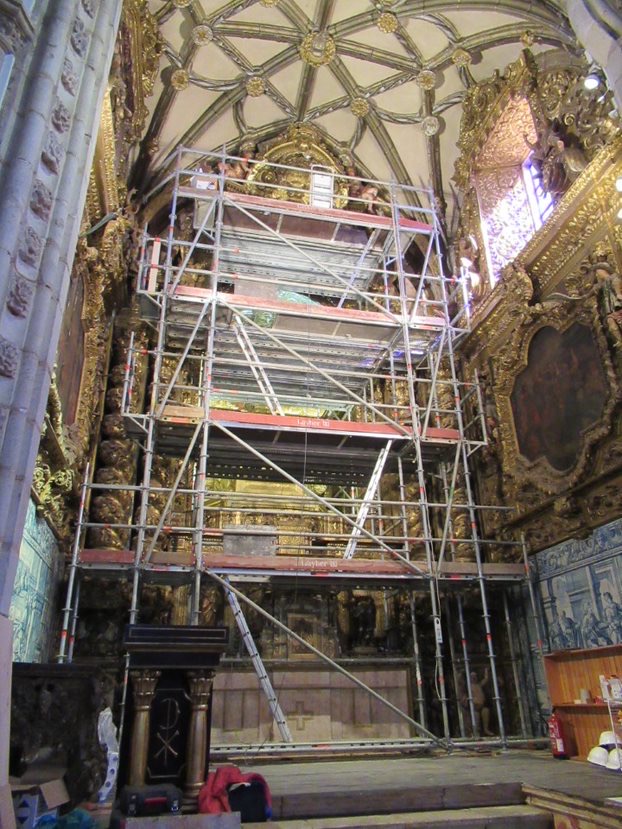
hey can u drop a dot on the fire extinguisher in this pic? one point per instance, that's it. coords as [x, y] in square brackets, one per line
[556, 734]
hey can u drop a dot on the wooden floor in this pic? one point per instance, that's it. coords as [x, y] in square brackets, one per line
[516, 789]
[459, 780]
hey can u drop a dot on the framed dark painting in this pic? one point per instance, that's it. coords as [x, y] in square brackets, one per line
[559, 395]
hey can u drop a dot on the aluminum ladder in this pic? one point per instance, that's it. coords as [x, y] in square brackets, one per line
[264, 680]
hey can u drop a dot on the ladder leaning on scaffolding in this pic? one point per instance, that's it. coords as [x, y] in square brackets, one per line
[264, 679]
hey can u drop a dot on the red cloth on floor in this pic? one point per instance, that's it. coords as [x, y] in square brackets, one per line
[213, 796]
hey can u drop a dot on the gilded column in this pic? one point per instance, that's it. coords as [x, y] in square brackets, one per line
[144, 685]
[200, 684]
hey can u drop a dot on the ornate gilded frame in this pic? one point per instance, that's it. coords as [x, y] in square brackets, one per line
[513, 359]
[554, 92]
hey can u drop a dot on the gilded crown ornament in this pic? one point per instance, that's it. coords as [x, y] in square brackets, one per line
[317, 48]
[180, 79]
[387, 23]
[181, 4]
[269, 3]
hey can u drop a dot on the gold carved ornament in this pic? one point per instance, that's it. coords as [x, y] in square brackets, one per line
[300, 148]
[317, 49]
[140, 45]
[387, 22]
[482, 108]
[541, 110]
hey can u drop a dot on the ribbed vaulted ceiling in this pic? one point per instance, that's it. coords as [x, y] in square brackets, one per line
[384, 79]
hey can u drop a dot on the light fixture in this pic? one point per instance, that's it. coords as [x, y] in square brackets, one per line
[619, 184]
[594, 77]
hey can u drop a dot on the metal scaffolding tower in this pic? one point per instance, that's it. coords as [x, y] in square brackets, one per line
[316, 345]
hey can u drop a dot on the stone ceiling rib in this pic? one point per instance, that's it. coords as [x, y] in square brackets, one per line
[224, 12]
[355, 49]
[252, 49]
[446, 26]
[409, 44]
[257, 31]
[542, 11]
[308, 78]
[305, 90]
[374, 124]
[492, 38]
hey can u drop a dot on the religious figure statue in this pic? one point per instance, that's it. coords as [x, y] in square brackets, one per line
[344, 626]
[468, 255]
[364, 621]
[209, 605]
[364, 197]
[480, 703]
[519, 282]
[558, 158]
[609, 287]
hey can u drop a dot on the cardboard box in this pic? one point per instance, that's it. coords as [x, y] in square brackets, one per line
[32, 801]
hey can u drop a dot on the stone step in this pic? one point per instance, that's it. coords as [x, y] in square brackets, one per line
[367, 799]
[482, 817]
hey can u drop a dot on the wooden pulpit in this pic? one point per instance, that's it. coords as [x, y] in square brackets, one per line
[168, 715]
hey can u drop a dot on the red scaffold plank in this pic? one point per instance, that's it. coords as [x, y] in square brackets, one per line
[107, 556]
[337, 214]
[309, 564]
[329, 312]
[185, 415]
[307, 424]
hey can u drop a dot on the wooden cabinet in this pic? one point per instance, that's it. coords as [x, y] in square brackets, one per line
[567, 674]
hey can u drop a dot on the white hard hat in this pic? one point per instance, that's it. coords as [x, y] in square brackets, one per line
[614, 759]
[608, 738]
[598, 755]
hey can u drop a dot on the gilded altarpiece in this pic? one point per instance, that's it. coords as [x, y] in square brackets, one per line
[545, 339]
